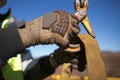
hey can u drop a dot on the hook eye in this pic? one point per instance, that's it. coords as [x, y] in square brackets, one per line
[81, 3]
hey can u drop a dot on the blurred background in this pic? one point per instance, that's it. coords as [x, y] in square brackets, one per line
[104, 16]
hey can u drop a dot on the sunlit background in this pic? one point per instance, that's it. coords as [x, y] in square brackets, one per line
[104, 16]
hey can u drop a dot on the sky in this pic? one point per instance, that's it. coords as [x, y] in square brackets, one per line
[104, 16]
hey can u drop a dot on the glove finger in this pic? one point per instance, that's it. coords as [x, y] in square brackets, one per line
[75, 28]
[74, 18]
[74, 39]
[61, 41]
[63, 44]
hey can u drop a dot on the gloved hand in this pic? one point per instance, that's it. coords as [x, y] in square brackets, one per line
[57, 27]
[61, 56]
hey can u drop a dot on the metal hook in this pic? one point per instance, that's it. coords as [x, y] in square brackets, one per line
[82, 3]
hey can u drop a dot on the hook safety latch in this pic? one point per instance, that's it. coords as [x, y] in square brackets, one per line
[80, 4]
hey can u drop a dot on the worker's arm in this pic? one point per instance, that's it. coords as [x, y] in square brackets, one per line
[10, 43]
[57, 27]
[40, 69]
[46, 65]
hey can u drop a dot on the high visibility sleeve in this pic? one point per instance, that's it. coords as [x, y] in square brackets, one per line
[10, 43]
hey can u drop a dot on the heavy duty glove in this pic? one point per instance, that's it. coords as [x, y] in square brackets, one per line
[46, 65]
[57, 27]
[61, 56]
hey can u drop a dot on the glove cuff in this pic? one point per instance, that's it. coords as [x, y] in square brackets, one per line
[25, 37]
[30, 35]
[57, 58]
